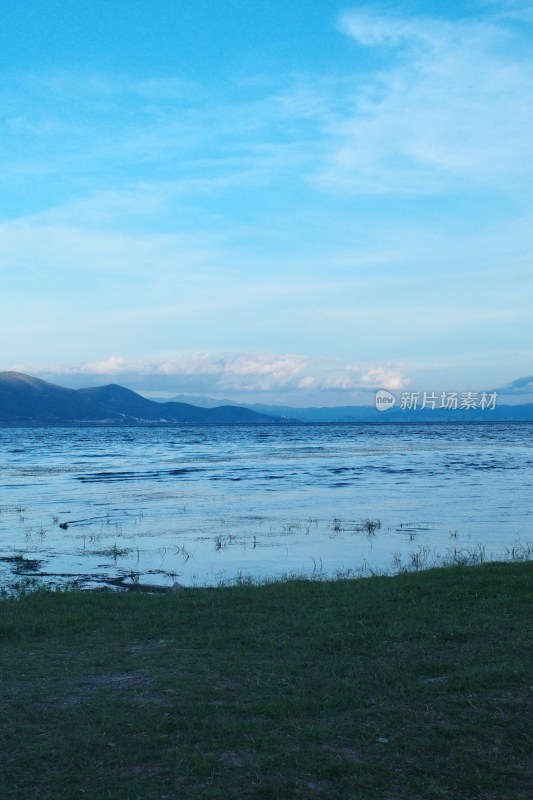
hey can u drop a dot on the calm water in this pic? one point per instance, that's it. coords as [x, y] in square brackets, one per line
[203, 504]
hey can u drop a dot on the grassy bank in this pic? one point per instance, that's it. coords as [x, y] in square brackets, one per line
[404, 688]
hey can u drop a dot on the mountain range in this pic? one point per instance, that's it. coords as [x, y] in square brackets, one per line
[501, 413]
[25, 399]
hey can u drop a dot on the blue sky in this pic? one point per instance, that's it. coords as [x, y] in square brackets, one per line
[268, 201]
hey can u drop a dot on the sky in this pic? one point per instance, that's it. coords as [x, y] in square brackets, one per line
[276, 201]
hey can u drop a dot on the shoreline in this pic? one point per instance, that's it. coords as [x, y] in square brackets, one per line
[520, 553]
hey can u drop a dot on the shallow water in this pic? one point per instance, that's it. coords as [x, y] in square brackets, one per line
[205, 504]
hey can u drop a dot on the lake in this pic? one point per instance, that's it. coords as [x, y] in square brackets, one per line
[217, 503]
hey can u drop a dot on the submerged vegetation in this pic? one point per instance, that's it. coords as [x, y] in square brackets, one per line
[415, 686]
[20, 564]
[124, 562]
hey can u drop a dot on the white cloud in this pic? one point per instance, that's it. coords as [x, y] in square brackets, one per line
[521, 10]
[308, 382]
[230, 372]
[370, 28]
[282, 367]
[452, 112]
[386, 377]
[113, 365]
[359, 376]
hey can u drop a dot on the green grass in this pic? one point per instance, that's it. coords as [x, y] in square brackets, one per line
[411, 687]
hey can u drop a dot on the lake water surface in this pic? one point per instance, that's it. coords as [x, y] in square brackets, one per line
[205, 504]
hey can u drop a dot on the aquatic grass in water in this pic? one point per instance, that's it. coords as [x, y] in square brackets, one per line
[20, 564]
[114, 552]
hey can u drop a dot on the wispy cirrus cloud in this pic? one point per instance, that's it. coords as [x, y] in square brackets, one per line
[453, 106]
[91, 132]
[452, 102]
[521, 10]
[370, 27]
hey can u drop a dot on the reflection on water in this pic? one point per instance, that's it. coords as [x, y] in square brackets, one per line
[201, 504]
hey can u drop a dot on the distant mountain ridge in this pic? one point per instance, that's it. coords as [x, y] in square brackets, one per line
[502, 413]
[198, 400]
[26, 399]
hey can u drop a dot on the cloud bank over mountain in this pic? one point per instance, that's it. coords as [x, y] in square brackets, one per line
[248, 376]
